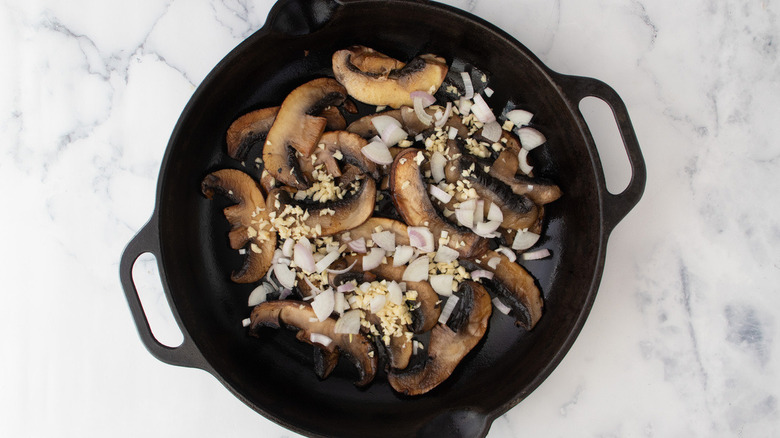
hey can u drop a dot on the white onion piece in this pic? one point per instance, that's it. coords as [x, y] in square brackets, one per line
[440, 194]
[419, 137]
[384, 240]
[419, 111]
[481, 110]
[340, 304]
[492, 131]
[501, 307]
[382, 122]
[414, 345]
[377, 303]
[536, 255]
[519, 117]
[481, 273]
[452, 133]
[326, 261]
[507, 252]
[346, 287]
[445, 254]
[442, 284]
[522, 158]
[421, 238]
[377, 152]
[465, 216]
[479, 212]
[343, 271]
[258, 295]
[357, 245]
[402, 255]
[469, 204]
[467, 85]
[323, 304]
[287, 247]
[394, 293]
[488, 91]
[417, 270]
[464, 106]
[285, 275]
[438, 161]
[426, 98]
[349, 323]
[495, 213]
[303, 258]
[317, 338]
[485, 229]
[278, 255]
[449, 306]
[493, 262]
[314, 289]
[530, 138]
[285, 293]
[444, 117]
[246, 321]
[373, 259]
[306, 244]
[392, 135]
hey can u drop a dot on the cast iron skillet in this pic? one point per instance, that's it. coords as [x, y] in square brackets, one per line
[188, 234]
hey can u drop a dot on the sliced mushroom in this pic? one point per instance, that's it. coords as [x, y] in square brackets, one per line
[410, 196]
[449, 343]
[398, 351]
[326, 218]
[339, 146]
[374, 78]
[298, 128]
[365, 128]
[299, 315]
[367, 228]
[324, 362]
[514, 286]
[249, 220]
[505, 169]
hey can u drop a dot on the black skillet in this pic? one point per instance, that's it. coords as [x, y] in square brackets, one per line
[273, 375]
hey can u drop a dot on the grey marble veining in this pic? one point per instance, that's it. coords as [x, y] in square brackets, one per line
[684, 334]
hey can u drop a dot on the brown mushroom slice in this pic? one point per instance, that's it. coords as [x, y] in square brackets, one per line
[369, 227]
[324, 362]
[410, 197]
[398, 351]
[345, 147]
[318, 219]
[410, 123]
[514, 286]
[248, 217]
[297, 127]
[449, 343]
[355, 68]
[299, 315]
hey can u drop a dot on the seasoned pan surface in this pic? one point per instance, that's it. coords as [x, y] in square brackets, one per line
[273, 375]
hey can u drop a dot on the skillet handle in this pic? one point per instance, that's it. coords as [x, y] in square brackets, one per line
[186, 354]
[618, 205]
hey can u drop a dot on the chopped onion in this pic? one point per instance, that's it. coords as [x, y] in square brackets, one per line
[394, 293]
[373, 259]
[349, 323]
[314, 289]
[323, 304]
[469, 204]
[464, 106]
[285, 292]
[530, 138]
[287, 247]
[494, 213]
[492, 131]
[403, 253]
[452, 133]
[507, 252]
[481, 110]
[246, 321]
[519, 117]
[417, 270]
[421, 238]
[419, 111]
[438, 161]
[377, 303]
[392, 135]
[346, 287]
[323, 340]
[479, 212]
[341, 303]
[442, 284]
[326, 261]
[384, 240]
[357, 245]
[488, 91]
[449, 306]
[522, 158]
[414, 346]
[303, 258]
[445, 254]
[524, 240]
[382, 122]
[536, 255]
[258, 295]
[485, 229]
[285, 275]
[493, 262]
[377, 152]
[343, 271]
[501, 307]
[440, 194]
[426, 98]
[467, 85]
[444, 117]
[481, 273]
[465, 216]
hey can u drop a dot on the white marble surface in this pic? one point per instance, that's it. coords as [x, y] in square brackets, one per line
[684, 334]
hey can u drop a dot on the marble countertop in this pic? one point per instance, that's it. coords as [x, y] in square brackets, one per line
[682, 337]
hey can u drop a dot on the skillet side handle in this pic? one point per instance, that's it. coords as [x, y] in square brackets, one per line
[618, 205]
[186, 354]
